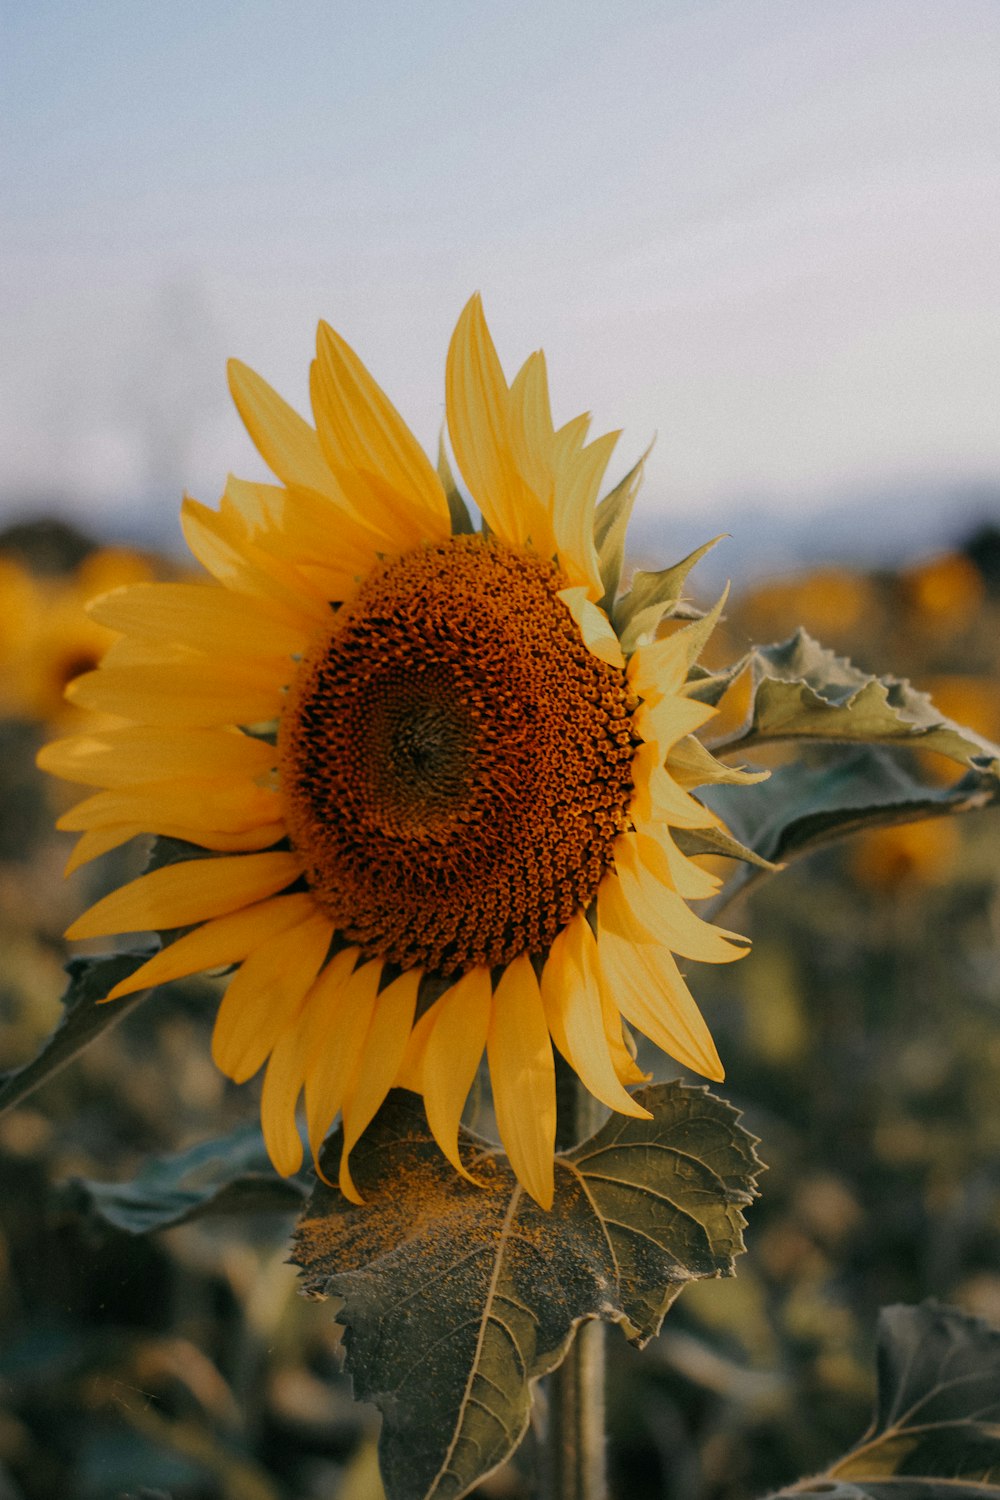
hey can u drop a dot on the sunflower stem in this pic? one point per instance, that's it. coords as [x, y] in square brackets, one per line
[574, 1445]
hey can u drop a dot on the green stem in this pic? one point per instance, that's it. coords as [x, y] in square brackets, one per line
[574, 1446]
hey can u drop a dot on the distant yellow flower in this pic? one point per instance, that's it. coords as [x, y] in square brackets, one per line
[943, 592]
[418, 756]
[905, 854]
[824, 601]
[54, 639]
[19, 607]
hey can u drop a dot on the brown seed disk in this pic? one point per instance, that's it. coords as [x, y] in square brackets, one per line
[455, 763]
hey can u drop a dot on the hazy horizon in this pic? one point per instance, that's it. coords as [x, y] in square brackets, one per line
[765, 233]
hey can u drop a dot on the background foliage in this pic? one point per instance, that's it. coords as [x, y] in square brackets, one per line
[862, 1041]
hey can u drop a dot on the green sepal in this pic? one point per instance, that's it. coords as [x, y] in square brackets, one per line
[461, 521]
[712, 840]
[637, 614]
[456, 1298]
[611, 520]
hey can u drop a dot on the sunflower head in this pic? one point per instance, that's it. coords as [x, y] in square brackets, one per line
[441, 795]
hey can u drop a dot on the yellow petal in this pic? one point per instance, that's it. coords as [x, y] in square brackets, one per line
[207, 618]
[622, 1055]
[411, 1069]
[227, 806]
[575, 1016]
[522, 1072]
[223, 940]
[179, 895]
[377, 1066]
[531, 430]
[665, 917]
[340, 1013]
[663, 665]
[578, 479]
[531, 442]
[477, 402]
[595, 627]
[195, 695]
[451, 1057]
[312, 532]
[691, 765]
[283, 1079]
[121, 757]
[286, 443]
[130, 651]
[658, 798]
[647, 987]
[669, 720]
[652, 672]
[267, 992]
[238, 564]
[98, 841]
[663, 859]
[367, 433]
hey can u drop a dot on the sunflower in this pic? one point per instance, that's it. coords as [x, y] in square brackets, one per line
[53, 638]
[429, 802]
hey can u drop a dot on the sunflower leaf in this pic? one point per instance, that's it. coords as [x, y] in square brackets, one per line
[456, 1298]
[798, 690]
[814, 801]
[83, 1020]
[936, 1430]
[611, 520]
[229, 1175]
[651, 596]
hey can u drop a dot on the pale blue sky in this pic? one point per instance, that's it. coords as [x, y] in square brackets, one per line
[765, 229]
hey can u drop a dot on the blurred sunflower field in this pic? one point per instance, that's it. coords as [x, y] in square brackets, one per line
[862, 1042]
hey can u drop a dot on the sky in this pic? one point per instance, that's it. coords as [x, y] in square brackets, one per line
[763, 231]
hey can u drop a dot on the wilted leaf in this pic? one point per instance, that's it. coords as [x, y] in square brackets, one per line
[83, 1020]
[231, 1174]
[456, 1297]
[651, 596]
[801, 691]
[936, 1430]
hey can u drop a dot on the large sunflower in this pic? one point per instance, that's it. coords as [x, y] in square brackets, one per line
[421, 761]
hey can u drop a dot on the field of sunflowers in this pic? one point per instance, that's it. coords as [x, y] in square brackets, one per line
[862, 1042]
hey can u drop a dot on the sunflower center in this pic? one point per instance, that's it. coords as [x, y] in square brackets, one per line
[455, 764]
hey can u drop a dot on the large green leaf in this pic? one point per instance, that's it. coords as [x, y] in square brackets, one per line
[229, 1175]
[813, 801]
[936, 1430]
[801, 691]
[457, 1297]
[83, 1020]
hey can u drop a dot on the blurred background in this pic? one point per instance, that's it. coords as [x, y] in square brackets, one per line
[764, 233]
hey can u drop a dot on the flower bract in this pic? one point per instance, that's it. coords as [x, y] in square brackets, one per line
[431, 803]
